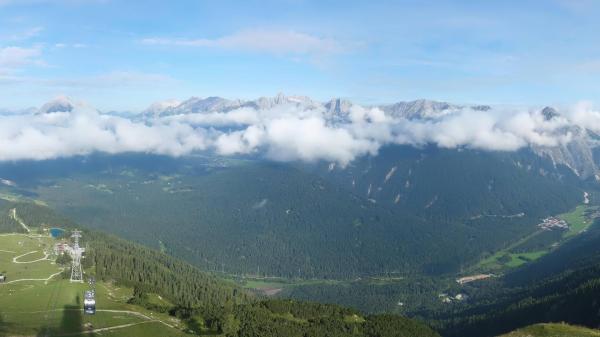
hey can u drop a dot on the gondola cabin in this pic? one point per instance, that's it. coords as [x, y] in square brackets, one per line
[89, 303]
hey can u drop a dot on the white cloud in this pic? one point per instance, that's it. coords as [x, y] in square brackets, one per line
[74, 45]
[284, 133]
[584, 115]
[262, 41]
[24, 35]
[310, 139]
[12, 58]
[84, 131]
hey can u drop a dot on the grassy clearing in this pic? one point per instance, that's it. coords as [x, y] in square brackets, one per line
[518, 259]
[13, 246]
[54, 307]
[494, 262]
[553, 330]
[354, 319]
[577, 220]
[19, 198]
[159, 301]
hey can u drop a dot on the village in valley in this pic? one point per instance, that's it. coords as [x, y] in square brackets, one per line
[570, 224]
[552, 223]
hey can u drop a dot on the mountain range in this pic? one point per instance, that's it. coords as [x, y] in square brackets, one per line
[578, 154]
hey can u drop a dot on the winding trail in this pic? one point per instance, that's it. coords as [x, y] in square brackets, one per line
[33, 279]
[34, 251]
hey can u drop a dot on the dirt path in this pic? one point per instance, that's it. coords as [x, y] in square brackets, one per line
[139, 314]
[79, 333]
[105, 329]
[129, 312]
[33, 279]
[34, 251]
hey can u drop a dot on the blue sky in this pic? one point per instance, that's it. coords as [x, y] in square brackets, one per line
[123, 55]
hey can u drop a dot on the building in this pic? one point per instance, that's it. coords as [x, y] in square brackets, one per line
[552, 223]
[472, 278]
[60, 248]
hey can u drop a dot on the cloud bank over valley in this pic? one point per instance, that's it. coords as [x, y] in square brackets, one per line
[285, 128]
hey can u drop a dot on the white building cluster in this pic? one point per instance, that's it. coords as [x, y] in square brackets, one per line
[553, 223]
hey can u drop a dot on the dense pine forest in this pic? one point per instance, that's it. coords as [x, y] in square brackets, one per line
[246, 217]
[297, 220]
[206, 302]
[227, 308]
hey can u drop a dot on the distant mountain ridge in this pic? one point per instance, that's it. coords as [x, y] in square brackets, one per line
[421, 108]
[577, 154]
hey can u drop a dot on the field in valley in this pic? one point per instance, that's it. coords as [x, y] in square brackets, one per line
[578, 220]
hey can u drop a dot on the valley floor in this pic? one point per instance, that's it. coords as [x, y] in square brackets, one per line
[523, 250]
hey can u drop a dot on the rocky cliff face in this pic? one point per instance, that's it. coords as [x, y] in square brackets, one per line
[577, 154]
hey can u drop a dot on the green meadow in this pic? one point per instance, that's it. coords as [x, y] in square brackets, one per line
[37, 301]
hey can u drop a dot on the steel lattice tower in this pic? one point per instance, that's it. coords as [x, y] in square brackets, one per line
[76, 272]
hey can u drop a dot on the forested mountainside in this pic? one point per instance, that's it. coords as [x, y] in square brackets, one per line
[7, 222]
[562, 286]
[410, 211]
[447, 185]
[202, 300]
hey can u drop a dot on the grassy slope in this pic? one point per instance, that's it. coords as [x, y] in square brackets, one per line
[15, 245]
[54, 307]
[577, 221]
[30, 308]
[553, 330]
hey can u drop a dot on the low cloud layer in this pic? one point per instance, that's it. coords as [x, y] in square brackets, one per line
[285, 132]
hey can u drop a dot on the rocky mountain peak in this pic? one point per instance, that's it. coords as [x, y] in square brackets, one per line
[549, 113]
[58, 104]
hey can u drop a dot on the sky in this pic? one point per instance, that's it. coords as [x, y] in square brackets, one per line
[123, 55]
